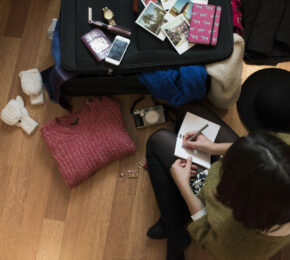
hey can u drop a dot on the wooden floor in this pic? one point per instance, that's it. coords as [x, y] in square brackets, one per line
[40, 218]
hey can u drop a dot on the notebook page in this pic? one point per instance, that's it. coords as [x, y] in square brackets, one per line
[192, 122]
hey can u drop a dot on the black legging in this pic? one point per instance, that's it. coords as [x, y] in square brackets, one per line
[160, 157]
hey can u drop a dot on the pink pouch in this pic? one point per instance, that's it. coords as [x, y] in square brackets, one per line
[204, 25]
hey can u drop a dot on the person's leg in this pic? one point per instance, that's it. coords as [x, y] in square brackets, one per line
[173, 209]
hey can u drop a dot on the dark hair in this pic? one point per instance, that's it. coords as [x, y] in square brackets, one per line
[255, 181]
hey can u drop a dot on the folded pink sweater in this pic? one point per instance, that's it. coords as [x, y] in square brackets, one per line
[85, 141]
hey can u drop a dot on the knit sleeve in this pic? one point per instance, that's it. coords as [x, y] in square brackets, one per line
[214, 172]
[201, 196]
[199, 229]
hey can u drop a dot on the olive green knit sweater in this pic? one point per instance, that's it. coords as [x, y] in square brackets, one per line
[224, 237]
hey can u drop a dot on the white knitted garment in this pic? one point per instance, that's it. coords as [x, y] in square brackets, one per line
[14, 113]
[226, 77]
[31, 83]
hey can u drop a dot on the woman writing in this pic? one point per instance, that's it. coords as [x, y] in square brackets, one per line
[242, 211]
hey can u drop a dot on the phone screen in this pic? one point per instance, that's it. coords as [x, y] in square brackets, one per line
[117, 50]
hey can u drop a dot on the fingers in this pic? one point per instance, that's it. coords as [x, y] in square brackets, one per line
[185, 164]
[193, 170]
[194, 144]
[193, 166]
[189, 134]
[192, 173]
[189, 144]
[189, 163]
[176, 164]
[186, 137]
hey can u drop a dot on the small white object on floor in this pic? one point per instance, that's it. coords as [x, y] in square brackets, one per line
[51, 28]
[31, 83]
[14, 113]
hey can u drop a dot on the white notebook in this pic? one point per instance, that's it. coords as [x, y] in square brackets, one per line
[192, 122]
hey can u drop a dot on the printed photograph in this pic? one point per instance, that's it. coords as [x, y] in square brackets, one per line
[152, 19]
[181, 7]
[177, 32]
[167, 4]
[158, 2]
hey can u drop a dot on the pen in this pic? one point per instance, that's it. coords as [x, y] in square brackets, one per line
[197, 133]
[112, 28]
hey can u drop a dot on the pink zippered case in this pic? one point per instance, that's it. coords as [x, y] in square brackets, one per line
[204, 24]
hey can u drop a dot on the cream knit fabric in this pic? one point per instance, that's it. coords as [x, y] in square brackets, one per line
[226, 76]
[31, 83]
[14, 113]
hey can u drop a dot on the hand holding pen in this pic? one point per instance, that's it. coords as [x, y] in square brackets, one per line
[197, 133]
[196, 140]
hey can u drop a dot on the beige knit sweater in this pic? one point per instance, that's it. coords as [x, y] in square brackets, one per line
[226, 77]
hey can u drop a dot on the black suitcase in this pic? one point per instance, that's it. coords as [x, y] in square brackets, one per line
[145, 52]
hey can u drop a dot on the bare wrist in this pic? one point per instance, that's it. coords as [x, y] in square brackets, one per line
[211, 148]
[221, 148]
[215, 148]
[184, 189]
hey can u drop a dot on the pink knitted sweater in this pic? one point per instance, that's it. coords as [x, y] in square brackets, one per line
[85, 141]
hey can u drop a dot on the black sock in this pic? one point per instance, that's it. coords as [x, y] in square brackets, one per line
[157, 231]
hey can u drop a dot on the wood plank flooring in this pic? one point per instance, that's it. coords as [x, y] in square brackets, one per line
[41, 218]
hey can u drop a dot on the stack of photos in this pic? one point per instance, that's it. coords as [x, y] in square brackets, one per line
[152, 19]
[177, 32]
[173, 24]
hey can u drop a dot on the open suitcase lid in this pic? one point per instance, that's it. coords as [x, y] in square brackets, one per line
[145, 52]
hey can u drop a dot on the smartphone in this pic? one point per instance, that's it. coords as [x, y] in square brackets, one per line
[117, 50]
